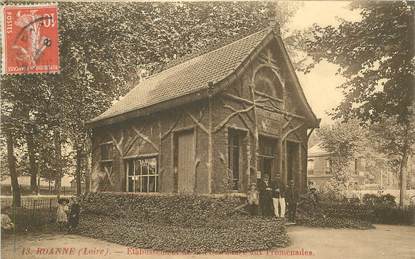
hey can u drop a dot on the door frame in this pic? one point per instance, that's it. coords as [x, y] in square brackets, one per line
[275, 158]
[176, 133]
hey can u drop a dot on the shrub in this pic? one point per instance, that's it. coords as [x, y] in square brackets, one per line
[178, 223]
[375, 209]
[348, 211]
[331, 215]
[386, 200]
[179, 210]
[388, 215]
[334, 222]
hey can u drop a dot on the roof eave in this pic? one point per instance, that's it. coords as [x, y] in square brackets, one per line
[146, 111]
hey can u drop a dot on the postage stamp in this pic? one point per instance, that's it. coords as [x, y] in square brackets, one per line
[30, 42]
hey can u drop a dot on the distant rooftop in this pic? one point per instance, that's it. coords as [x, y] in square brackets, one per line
[318, 150]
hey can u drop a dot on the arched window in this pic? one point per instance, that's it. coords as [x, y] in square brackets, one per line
[267, 82]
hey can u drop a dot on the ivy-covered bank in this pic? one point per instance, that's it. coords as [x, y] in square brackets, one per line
[178, 223]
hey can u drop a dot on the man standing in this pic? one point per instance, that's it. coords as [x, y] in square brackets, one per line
[292, 199]
[278, 200]
[265, 196]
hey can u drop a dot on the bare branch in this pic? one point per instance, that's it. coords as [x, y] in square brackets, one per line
[200, 125]
[238, 99]
[287, 123]
[144, 137]
[118, 143]
[226, 120]
[172, 127]
[108, 175]
[130, 145]
[292, 130]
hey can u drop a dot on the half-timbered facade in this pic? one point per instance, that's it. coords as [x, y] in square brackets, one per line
[211, 124]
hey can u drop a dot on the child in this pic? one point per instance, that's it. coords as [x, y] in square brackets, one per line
[253, 200]
[74, 214]
[7, 225]
[61, 217]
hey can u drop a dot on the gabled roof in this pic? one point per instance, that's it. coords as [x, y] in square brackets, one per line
[191, 80]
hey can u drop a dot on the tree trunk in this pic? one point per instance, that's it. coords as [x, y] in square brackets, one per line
[402, 175]
[12, 169]
[58, 158]
[88, 168]
[32, 161]
[78, 169]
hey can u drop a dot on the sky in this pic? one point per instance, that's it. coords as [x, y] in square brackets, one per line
[320, 84]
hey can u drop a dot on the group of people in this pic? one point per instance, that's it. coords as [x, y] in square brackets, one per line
[273, 198]
[67, 214]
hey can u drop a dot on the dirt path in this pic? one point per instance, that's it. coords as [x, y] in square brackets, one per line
[383, 242]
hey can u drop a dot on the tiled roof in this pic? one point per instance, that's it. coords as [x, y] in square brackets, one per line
[188, 77]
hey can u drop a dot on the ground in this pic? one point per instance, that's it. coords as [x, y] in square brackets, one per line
[385, 241]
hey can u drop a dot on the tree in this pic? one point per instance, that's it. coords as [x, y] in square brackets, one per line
[376, 56]
[395, 139]
[7, 129]
[343, 141]
[104, 49]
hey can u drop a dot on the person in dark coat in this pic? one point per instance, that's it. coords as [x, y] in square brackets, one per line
[291, 195]
[265, 196]
[74, 211]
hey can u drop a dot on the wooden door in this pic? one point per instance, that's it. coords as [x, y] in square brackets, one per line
[185, 162]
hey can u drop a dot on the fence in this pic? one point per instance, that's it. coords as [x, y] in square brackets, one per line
[34, 211]
[43, 190]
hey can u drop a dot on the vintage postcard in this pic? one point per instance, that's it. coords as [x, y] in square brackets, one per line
[207, 129]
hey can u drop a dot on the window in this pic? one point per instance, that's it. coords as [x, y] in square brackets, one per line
[328, 166]
[106, 151]
[234, 153]
[142, 175]
[310, 166]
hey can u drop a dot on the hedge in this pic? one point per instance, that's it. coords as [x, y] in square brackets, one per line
[178, 223]
[181, 210]
[373, 210]
[376, 214]
[334, 222]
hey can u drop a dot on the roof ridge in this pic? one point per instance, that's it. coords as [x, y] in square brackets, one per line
[193, 55]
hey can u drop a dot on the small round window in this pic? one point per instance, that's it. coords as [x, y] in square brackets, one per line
[267, 82]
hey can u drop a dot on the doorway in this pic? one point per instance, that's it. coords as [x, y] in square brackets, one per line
[267, 157]
[184, 153]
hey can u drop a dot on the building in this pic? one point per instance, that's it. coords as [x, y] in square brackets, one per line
[366, 172]
[212, 124]
[319, 169]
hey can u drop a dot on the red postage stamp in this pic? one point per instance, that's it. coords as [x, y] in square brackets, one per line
[30, 42]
